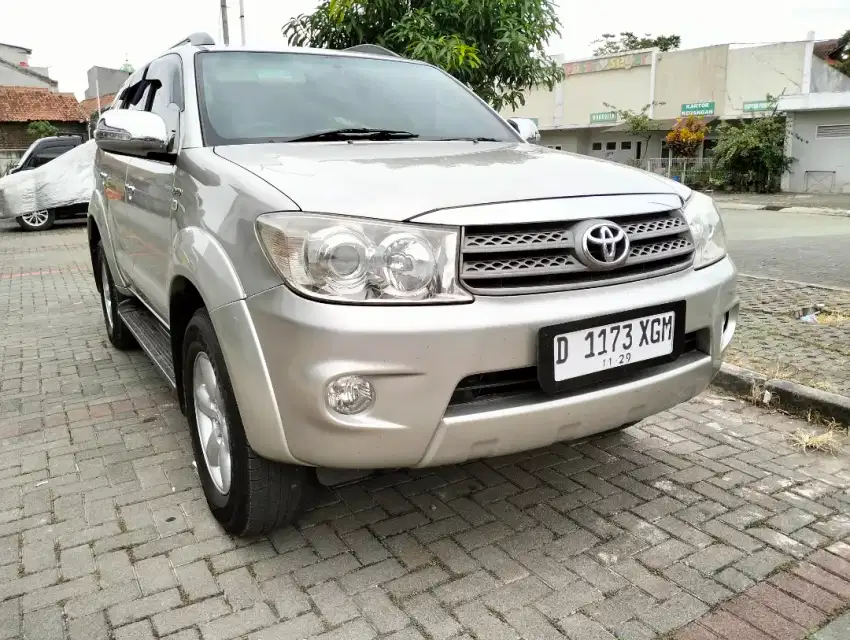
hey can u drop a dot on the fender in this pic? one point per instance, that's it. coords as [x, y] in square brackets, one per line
[97, 216]
[197, 256]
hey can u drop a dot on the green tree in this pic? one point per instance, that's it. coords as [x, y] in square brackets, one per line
[638, 124]
[611, 43]
[496, 47]
[752, 153]
[41, 129]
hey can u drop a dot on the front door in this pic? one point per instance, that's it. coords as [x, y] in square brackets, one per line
[146, 223]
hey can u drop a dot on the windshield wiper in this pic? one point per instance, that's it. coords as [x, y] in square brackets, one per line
[356, 134]
[476, 139]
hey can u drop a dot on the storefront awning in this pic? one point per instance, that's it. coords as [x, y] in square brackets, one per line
[658, 125]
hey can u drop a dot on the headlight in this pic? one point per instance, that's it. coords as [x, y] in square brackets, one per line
[706, 228]
[347, 259]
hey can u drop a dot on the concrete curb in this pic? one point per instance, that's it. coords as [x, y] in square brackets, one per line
[784, 393]
[745, 206]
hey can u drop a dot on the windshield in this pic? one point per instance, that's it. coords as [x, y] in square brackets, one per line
[251, 97]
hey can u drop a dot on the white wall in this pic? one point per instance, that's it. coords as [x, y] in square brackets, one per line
[754, 72]
[13, 55]
[818, 157]
[825, 79]
[690, 75]
[11, 77]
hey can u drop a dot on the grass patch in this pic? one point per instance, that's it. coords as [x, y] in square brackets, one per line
[824, 442]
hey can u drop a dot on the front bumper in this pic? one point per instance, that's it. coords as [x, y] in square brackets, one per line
[282, 349]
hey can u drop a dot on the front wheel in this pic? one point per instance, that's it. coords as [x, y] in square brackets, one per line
[247, 494]
[37, 220]
[118, 333]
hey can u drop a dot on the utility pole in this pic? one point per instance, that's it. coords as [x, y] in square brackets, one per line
[224, 31]
[242, 19]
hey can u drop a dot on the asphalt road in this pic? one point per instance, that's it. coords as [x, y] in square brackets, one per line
[791, 246]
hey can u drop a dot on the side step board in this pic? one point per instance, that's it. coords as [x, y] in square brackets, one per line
[151, 336]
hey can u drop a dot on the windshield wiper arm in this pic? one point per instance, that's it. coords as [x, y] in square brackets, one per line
[356, 134]
[464, 139]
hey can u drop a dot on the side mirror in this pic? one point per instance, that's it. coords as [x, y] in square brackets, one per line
[526, 128]
[135, 133]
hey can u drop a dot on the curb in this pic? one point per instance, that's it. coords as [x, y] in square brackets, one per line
[785, 393]
[745, 206]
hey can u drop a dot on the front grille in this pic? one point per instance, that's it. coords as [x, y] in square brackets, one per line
[540, 257]
[494, 385]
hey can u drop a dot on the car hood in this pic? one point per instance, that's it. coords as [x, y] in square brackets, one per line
[400, 180]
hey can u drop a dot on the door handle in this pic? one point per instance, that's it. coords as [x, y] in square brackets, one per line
[130, 189]
[103, 174]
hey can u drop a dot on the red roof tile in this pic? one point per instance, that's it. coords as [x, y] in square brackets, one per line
[26, 104]
[89, 105]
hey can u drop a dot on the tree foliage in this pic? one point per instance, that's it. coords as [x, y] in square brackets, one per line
[611, 43]
[41, 129]
[686, 136]
[496, 47]
[753, 152]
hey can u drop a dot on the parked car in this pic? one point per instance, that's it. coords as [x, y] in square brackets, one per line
[347, 260]
[52, 181]
[44, 150]
[39, 153]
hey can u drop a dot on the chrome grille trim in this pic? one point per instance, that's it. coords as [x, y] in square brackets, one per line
[535, 258]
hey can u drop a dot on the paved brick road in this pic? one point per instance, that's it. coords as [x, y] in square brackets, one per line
[772, 341]
[104, 532]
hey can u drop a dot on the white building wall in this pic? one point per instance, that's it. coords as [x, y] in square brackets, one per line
[825, 79]
[10, 77]
[688, 76]
[13, 55]
[755, 72]
[821, 164]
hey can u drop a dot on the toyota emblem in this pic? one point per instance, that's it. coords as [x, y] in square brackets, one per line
[601, 245]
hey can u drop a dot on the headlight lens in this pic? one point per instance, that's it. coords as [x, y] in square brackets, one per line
[346, 259]
[706, 228]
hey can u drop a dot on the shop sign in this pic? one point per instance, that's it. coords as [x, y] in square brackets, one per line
[603, 116]
[698, 109]
[607, 64]
[758, 105]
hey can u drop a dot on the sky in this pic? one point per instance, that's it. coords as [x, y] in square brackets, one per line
[80, 34]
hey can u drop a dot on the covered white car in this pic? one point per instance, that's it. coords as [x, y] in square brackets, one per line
[59, 189]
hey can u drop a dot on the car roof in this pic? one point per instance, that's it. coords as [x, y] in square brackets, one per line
[344, 53]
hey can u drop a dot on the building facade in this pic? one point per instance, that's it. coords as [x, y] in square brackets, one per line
[722, 82]
[16, 71]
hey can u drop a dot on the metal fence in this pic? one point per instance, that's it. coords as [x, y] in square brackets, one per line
[699, 173]
[9, 158]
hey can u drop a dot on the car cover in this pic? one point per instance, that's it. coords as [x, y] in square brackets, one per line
[64, 181]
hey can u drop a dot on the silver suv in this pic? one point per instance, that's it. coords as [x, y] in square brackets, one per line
[345, 260]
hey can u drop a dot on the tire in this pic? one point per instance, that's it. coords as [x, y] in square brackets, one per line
[116, 330]
[261, 495]
[37, 220]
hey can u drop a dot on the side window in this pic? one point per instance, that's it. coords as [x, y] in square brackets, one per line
[165, 81]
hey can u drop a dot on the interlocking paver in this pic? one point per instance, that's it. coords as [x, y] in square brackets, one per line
[626, 535]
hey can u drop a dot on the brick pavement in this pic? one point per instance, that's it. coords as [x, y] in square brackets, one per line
[104, 532]
[771, 341]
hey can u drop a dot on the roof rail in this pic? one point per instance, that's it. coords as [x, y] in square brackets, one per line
[197, 39]
[374, 49]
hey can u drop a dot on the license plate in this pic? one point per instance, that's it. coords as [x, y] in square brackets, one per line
[578, 353]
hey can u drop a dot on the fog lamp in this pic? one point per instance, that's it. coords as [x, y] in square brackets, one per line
[349, 395]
